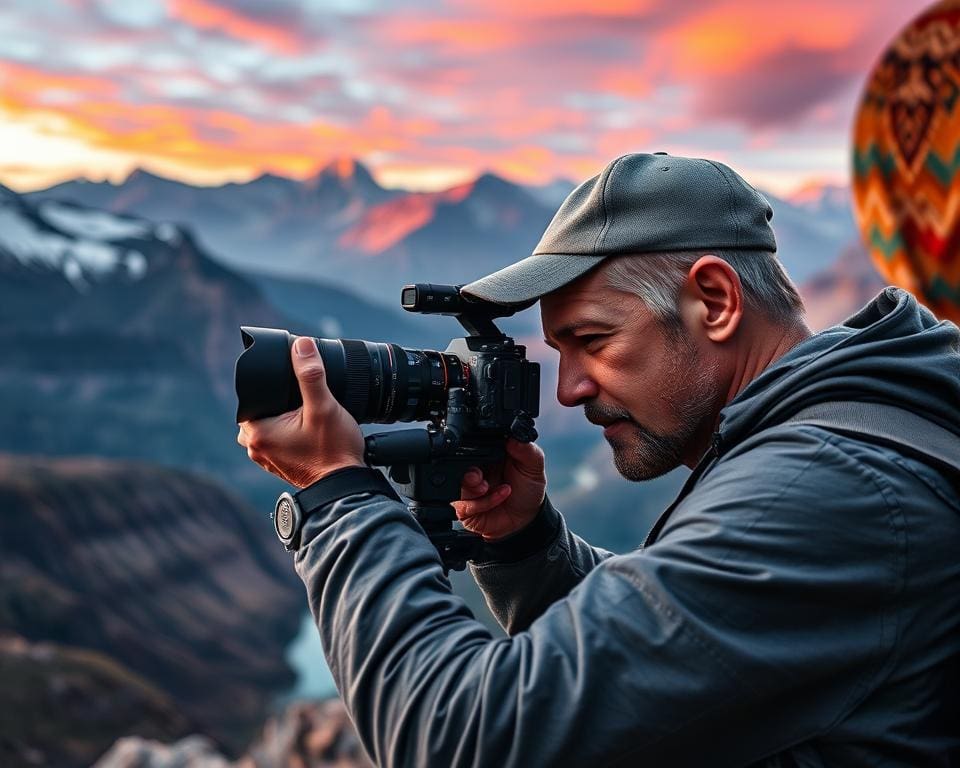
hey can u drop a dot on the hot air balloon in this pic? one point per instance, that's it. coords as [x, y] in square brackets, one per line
[906, 160]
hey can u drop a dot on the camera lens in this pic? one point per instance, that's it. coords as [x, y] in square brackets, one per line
[383, 383]
[375, 382]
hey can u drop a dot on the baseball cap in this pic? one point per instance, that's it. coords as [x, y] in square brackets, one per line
[640, 203]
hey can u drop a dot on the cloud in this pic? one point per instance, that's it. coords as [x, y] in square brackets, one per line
[778, 89]
[552, 9]
[536, 89]
[767, 65]
[260, 30]
[142, 14]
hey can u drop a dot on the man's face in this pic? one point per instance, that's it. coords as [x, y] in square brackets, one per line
[656, 393]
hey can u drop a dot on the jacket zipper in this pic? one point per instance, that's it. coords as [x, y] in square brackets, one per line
[707, 460]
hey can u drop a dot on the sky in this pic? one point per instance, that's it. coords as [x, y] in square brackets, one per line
[430, 93]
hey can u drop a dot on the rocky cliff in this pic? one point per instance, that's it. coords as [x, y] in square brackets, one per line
[62, 706]
[163, 571]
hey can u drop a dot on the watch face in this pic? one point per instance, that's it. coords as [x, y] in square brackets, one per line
[285, 518]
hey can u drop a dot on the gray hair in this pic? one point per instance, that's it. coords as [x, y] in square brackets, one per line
[656, 279]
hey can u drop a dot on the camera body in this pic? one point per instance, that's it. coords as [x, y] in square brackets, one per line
[502, 382]
[475, 395]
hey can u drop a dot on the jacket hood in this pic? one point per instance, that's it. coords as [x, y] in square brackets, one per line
[892, 351]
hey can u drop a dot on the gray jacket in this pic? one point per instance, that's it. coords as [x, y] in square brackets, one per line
[799, 605]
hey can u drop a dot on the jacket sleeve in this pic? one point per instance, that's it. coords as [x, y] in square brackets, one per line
[524, 574]
[743, 630]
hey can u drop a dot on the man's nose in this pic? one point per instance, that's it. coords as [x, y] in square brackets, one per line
[574, 386]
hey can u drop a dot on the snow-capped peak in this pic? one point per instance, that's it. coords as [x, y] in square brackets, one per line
[92, 224]
[79, 243]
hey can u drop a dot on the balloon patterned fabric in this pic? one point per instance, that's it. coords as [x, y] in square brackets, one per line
[906, 160]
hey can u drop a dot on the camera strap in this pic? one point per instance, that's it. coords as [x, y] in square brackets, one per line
[888, 424]
[880, 423]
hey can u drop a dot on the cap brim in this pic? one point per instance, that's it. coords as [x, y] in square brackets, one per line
[533, 277]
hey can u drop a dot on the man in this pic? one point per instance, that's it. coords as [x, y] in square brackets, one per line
[798, 605]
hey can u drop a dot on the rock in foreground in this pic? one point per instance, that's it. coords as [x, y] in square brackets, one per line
[305, 735]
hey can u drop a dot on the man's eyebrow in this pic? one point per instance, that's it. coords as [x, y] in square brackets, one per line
[578, 325]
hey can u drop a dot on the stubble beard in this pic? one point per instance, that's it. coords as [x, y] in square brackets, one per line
[641, 454]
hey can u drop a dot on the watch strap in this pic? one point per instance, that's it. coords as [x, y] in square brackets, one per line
[341, 483]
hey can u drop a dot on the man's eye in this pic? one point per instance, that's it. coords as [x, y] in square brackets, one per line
[589, 339]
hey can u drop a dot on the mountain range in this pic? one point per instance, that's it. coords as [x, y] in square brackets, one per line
[342, 228]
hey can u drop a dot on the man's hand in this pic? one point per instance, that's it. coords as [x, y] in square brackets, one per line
[506, 497]
[304, 445]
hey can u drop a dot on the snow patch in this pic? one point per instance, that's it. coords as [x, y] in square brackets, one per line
[73, 272]
[168, 233]
[96, 258]
[95, 225]
[77, 260]
[585, 478]
[136, 264]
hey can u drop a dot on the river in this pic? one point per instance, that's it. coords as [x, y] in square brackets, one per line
[305, 656]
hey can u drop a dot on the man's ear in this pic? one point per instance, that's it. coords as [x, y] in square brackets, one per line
[711, 299]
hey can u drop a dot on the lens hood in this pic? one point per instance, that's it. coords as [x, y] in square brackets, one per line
[264, 378]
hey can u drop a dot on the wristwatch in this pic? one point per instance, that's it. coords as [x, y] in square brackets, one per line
[293, 509]
[288, 520]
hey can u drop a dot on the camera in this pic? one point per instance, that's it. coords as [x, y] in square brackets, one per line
[474, 395]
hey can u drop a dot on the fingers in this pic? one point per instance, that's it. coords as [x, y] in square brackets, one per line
[474, 485]
[310, 373]
[257, 443]
[249, 438]
[470, 508]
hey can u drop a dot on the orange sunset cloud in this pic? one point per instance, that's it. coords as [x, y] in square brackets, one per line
[232, 88]
[205, 15]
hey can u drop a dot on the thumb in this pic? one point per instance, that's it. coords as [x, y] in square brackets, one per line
[310, 373]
